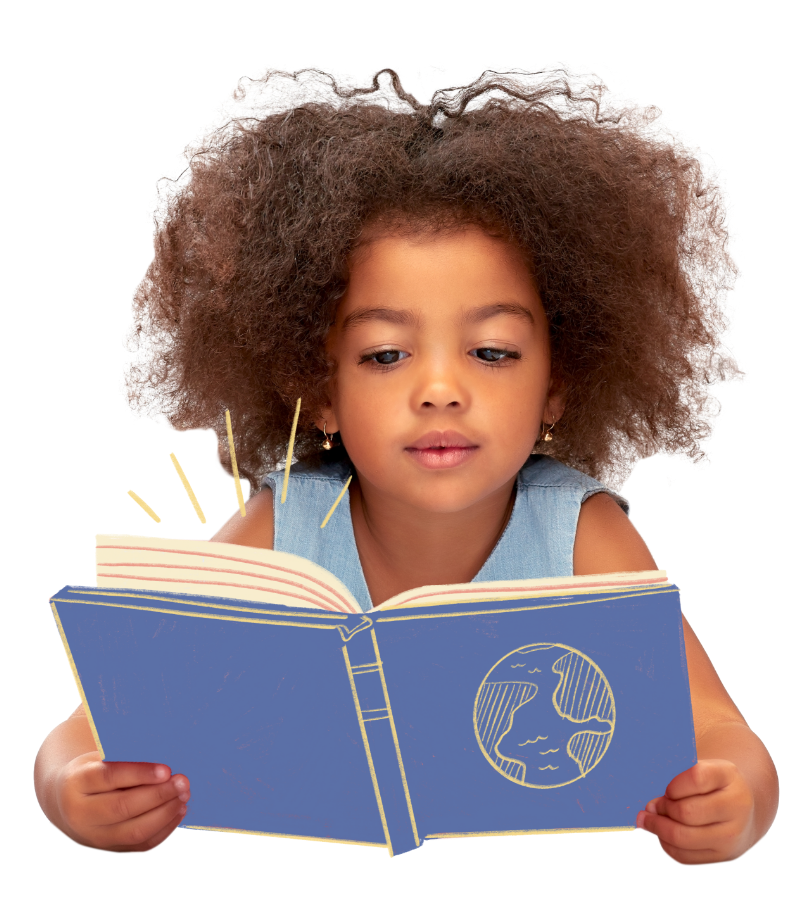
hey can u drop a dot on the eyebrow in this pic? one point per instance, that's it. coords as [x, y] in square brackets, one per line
[410, 318]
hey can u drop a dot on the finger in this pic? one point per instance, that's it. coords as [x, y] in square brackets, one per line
[688, 838]
[700, 845]
[699, 810]
[683, 856]
[99, 777]
[142, 829]
[723, 839]
[704, 777]
[127, 804]
[158, 837]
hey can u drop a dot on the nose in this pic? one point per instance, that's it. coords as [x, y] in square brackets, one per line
[439, 382]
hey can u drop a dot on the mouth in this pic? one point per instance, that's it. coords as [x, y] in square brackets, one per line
[442, 439]
[445, 457]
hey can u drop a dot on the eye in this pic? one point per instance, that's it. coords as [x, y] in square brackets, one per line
[497, 351]
[377, 365]
[391, 352]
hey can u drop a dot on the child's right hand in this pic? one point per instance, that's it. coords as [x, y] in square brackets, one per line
[119, 806]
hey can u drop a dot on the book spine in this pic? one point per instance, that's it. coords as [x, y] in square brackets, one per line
[378, 730]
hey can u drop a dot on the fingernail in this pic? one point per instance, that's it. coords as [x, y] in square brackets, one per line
[641, 819]
[651, 807]
[180, 784]
[185, 796]
[182, 809]
[161, 773]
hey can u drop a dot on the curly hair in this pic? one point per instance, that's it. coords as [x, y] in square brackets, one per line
[623, 230]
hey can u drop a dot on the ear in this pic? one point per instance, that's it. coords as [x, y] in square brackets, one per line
[555, 404]
[326, 416]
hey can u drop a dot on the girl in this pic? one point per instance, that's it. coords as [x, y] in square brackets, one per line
[449, 288]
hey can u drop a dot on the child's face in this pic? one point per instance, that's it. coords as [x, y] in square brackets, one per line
[443, 368]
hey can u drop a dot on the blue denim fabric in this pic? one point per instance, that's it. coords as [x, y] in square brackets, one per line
[537, 543]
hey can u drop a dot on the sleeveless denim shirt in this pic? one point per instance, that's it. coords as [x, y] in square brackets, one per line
[537, 542]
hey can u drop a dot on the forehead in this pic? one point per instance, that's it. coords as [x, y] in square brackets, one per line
[464, 277]
[465, 263]
[470, 243]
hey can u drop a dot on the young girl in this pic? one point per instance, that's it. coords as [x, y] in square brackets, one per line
[449, 289]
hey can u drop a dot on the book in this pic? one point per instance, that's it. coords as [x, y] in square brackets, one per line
[494, 708]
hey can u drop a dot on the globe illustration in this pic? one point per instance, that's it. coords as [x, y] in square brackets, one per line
[544, 715]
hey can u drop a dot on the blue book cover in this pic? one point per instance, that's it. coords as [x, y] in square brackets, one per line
[549, 714]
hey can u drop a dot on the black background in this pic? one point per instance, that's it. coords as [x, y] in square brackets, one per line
[117, 127]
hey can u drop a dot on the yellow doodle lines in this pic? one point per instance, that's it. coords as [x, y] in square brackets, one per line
[240, 498]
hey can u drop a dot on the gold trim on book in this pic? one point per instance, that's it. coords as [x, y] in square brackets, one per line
[371, 667]
[294, 611]
[77, 682]
[282, 619]
[442, 597]
[292, 837]
[452, 836]
[361, 723]
[396, 741]
[347, 635]
[603, 599]
[255, 621]
[438, 836]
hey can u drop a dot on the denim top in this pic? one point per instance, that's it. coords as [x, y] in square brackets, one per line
[537, 542]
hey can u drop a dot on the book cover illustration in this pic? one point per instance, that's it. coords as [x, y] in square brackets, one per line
[563, 711]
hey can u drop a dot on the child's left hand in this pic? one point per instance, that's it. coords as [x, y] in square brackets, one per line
[705, 816]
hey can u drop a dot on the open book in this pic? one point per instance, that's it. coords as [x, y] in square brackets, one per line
[488, 708]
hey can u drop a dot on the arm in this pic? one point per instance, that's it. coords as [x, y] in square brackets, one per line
[67, 740]
[726, 803]
[736, 797]
[257, 528]
[116, 806]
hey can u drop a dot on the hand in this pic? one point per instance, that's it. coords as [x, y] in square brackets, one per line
[120, 806]
[705, 816]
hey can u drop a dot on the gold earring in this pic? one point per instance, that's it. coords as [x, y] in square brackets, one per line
[328, 440]
[547, 436]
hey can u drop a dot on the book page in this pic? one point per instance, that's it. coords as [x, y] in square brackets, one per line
[265, 576]
[218, 569]
[522, 589]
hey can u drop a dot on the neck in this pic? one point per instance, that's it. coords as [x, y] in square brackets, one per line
[401, 547]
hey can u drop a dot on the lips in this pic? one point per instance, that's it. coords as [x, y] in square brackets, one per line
[442, 439]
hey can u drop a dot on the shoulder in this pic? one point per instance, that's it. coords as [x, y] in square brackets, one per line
[606, 540]
[549, 473]
[256, 528]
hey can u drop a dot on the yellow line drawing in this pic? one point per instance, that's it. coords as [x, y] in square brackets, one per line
[77, 682]
[187, 487]
[293, 837]
[361, 722]
[347, 635]
[290, 451]
[452, 836]
[204, 604]
[237, 484]
[396, 742]
[403, 614]
[582, 695]
[146, 508]
[376, 666]
[333, 506]
[254, 621]
[535, 740]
